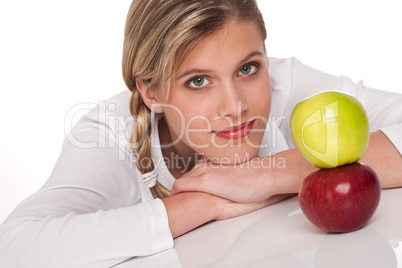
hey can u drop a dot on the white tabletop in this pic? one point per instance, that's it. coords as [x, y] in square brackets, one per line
[281, 236]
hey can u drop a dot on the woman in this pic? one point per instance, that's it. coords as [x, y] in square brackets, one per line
[201, 90]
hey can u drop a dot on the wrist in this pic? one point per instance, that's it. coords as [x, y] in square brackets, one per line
[288, 177]
[189, 210]
[212, 205]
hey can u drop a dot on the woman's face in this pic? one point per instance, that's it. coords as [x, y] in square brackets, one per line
[220, 102]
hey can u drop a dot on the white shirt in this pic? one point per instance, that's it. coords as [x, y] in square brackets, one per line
[94, 210]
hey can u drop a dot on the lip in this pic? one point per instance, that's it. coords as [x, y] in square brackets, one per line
[236, 132]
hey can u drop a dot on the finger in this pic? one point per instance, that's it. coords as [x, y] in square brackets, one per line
[203, 182]
[186, 182]
[196, 167]
[201, 168]
[182, 185]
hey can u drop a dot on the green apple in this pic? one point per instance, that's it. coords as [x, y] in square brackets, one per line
[330, 129]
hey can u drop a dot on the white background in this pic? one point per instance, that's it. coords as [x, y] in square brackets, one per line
[57, 54]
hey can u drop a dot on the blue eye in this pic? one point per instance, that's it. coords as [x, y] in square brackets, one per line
[247, 69]
[198, 82]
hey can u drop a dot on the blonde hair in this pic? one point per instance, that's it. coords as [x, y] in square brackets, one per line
[158, 36]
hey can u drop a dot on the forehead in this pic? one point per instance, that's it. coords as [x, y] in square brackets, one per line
[235, 39]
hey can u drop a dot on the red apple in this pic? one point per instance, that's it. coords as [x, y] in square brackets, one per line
[341, 199]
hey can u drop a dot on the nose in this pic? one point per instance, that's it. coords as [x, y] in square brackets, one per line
[232, 102]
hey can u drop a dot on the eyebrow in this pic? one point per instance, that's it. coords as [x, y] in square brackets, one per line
[195, 70]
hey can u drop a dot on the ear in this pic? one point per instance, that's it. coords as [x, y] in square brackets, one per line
[149, 97]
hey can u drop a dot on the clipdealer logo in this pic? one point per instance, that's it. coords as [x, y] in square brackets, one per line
[323, 121]
[106, 128]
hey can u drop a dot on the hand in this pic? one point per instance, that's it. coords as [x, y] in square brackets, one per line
[248, 182]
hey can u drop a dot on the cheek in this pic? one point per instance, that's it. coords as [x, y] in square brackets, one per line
[261, 99]
[197, 131]
[197, 114]
[189, 124]
[198, 123]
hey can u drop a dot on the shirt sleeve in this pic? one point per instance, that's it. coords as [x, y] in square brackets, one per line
[89, 213]
[293, 81]
[384, 110]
